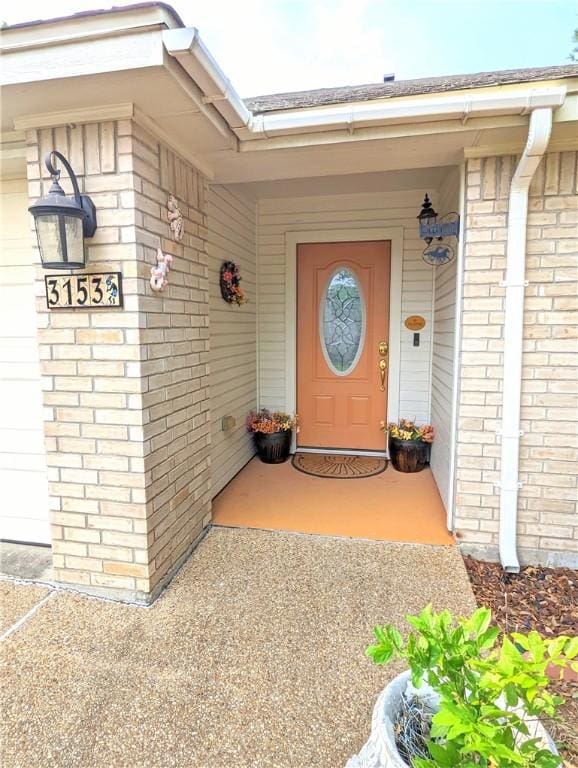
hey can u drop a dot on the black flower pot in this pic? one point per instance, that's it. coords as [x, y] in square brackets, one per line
[273, 448]
[408, 455]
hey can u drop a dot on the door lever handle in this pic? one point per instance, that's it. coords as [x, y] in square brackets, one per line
[382, 370]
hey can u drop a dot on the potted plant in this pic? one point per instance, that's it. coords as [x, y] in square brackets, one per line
[272, 433]
[478, 697]
[409, 445]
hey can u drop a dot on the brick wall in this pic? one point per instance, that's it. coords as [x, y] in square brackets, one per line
[175, 356]
[125, 392]
[548, 522]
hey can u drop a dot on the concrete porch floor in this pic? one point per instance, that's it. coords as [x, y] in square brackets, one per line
[391, 506]
[253, 657]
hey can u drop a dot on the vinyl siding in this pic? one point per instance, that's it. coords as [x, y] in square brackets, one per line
[442, 391]
[233, 336]
[24, 514]
[363, 211]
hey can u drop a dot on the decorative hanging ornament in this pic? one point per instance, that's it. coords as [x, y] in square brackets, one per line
[159, 273]
[175, 218]
[438, 253]
[230, 279]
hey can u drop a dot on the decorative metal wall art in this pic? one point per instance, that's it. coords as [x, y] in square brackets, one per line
[175, 218]
[440, 235]
[159, 273]
[230, 279]
[437, 254]
[94, 290]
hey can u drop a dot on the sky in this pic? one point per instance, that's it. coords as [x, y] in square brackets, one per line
[272, 46]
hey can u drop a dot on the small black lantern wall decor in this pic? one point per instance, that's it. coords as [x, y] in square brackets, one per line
[63, 222]
[440, 235]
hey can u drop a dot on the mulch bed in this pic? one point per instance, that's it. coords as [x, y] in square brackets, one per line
[544, 599]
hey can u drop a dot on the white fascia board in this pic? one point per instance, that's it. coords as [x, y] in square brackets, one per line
[93, 114]
[86, 25]
[414, 109]
[79, 57]
[185, 45]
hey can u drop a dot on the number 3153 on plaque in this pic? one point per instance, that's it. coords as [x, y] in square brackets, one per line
[95, 290]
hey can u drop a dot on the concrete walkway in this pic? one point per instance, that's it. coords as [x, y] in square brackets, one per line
[252, 658]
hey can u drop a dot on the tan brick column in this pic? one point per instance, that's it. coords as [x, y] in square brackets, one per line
[125, 394]
[547, 518]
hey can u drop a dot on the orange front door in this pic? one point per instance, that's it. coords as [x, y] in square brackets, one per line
[342, 344]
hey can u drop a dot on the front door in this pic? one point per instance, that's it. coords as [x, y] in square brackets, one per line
[342, 344]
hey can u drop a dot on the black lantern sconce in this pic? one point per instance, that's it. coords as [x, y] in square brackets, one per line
[426, 217]
[445, 231]
[63, 222]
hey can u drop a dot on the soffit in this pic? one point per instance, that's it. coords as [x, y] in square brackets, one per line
[152, 90]
[391, 151]
[354, 183]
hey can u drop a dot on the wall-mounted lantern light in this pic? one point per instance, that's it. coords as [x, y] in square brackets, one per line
[426, 217]
[445, 231]
[63, 222]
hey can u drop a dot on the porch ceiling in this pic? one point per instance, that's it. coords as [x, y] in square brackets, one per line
[367, 151]
[353, 183]
[334, 160]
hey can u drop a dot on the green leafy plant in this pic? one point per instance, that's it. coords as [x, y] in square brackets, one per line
[488, 689]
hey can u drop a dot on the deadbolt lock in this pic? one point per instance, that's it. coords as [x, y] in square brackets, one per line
[383, 348]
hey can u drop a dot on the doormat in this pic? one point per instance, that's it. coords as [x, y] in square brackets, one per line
[338, 467]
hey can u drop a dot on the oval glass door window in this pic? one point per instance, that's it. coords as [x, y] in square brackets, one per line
[342, 326]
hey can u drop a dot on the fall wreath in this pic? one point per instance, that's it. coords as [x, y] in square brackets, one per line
[231, 290]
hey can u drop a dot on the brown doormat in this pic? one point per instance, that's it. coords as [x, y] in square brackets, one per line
[337, 466]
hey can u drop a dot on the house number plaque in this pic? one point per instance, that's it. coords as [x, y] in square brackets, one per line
[94, 290]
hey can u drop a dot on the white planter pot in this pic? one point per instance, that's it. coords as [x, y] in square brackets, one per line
[380, 750]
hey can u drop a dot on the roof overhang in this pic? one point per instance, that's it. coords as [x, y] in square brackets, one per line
[106, 66]
[142, 61]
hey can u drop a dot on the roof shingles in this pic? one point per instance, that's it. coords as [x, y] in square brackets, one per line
[346, 94]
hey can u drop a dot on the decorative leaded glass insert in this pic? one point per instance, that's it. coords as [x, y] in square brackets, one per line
[342, 322]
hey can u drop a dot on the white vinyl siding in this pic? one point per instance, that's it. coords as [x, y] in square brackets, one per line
[233, 332]
[350, 212]
[24, 514]
[442, 392]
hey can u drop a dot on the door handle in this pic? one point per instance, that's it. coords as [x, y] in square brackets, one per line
[383, 348]
[382, 370]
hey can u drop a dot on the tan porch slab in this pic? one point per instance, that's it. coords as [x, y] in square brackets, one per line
[391, 506]
[252, 657]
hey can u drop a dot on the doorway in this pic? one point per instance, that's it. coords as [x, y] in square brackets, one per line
[343, 292]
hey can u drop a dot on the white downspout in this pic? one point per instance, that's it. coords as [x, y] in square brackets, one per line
[538, 137]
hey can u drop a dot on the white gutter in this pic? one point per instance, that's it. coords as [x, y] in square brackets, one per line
[405, 110]
[185, 45]
[538, 137]
[187, 48]
[195, 94]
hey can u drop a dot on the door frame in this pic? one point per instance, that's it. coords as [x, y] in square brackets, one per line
[294, 238]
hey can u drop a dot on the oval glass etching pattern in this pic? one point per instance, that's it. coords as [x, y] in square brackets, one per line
[342, 322]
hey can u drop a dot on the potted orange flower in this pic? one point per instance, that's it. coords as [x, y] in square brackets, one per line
[272, 433]
[410, 445]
